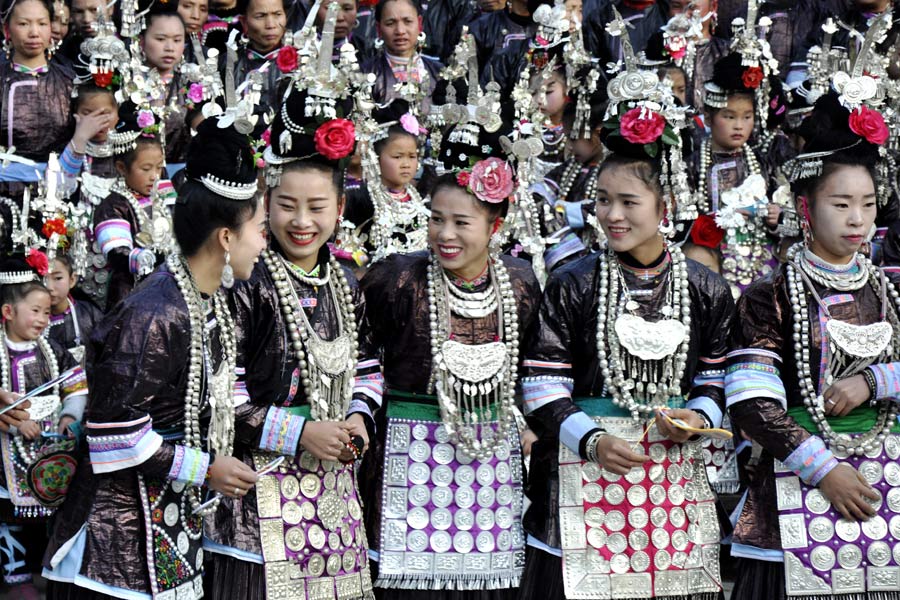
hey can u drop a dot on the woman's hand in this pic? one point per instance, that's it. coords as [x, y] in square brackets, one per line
[326, 440]
[528, 440]
[16, 416]
[674, 433]
[847, 490]
[231, 477]
[844, 395]
[615, 455]
[355, 425]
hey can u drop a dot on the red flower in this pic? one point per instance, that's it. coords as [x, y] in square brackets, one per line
[37, 260]
[462, 178]
[640, 126]
[54, 226]
[286, 59]
[869, 124]
[103, 78]
[491, 180]
[335, 139]
[706, 233]
[752, 77]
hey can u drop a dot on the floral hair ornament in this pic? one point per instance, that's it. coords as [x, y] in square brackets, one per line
[682, 34]
[104, 55]
[490, 180]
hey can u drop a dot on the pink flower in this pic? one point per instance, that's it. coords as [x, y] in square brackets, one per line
[266, 136]
[260, 163]
[145, 118]
[640, 126]
[195, 93]
[462, 178]
[491, 180]
[869, 124]
[676, 47]
[410, 124]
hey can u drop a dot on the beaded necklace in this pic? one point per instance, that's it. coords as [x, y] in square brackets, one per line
[702, 194]
[393, 216]
[570, 174]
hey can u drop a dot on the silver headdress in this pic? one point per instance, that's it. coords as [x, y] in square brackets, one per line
[104, 53]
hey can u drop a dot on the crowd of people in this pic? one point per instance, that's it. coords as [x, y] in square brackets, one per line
[465, 300]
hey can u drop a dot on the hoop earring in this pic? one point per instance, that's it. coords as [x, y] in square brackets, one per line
[227, 272]
[379, 43]
[666, 228]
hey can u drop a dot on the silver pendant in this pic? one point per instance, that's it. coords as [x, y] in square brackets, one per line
[862, 341]
[649, 340]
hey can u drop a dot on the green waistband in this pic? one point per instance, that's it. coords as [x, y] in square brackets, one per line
[605, 407]
[300, 411]
[422, 407]
[861, 419]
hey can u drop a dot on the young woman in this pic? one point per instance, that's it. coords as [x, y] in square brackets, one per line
[444, 487]
[399, 24]
[300, 533]
[812, 381]
[160, 423]
[626, 339]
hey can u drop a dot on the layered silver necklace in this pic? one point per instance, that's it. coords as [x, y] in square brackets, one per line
[470, 379]
[642, 362]
[327, 367]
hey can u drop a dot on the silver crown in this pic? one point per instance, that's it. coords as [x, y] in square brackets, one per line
[14, 277]
[123, 142]
[229, 189]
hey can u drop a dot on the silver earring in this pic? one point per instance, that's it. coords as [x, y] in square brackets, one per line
[379, 42]
[227, 273]
[666, 227]
[7, 50]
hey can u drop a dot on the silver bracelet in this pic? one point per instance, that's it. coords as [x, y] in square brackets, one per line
[590, 448]
[13, 430]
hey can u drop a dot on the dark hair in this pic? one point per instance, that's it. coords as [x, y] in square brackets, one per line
[199, 212]
[448, 182]
[47, 4]
[154, 15]
[731, 94]
[86, 90]
[65, 260]
[394, 131]
[647, 170]
[379, 8]
[140, 144]
[16, 292]
[830, 164]
[300, 166]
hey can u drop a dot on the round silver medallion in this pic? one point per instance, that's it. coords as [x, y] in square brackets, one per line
[658, 516]
[616, 543]
[443, 454]
[346, 536]
[592, 493]
[638, 539]
[184, 544]
[177, 487]
[847, 530]
[892, 446]
[822, 558]
[484, 518]
[871, 471]
[679, 539]
[673, 473]
[442, 497]
[640, 562]
[660, 538]
[615, 494]
[638, 518]
[821, 529]
[419, 473]
[465, 497]
[441, 519]
[892, 473]
[687, 470]
[420, 431]
[591, 471]
[894, 527]
[170, 515]
[893, 500]
[441, 541]
[662, 560]
[620, 564]
[316, 565]
[198, 560]
[677, 516]
[610, 476]
[896, 553]
[875, 528]
[879, 554]
[635, 475]
[594, 517]
[615, 521]
[485, 542]
[465, 475]
[596, 537]
[463, 458]
[816, 502]
[504, 518]
[464, 519]
[419, 495]
[657, 453]
[637, 495]
[674, 453]
[707, 456]
[442, 476]
[333, 564]
[504, 540]
[417, 518]
[485, 497]
[504, 495]
[676, 494]
[463, 542]
[485, 474]
[441, 434]
[308, 462]
[657, 473]
[334, 540]
[502, 450]
[502, 472]
[849, 556]
[657, 494]
[349, 561]
[718, 458]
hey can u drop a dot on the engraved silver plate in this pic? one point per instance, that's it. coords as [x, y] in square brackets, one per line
[640, 562]
[892, 446]
[484, 518]
[635, 475]
[677, 516]
[638, 539]
[679, 539]
[650, 340]
[893, 500]
[485, 542]
[615, 520]
[864, 341]
[504, 495]
[793, 531]
[885, 579]
[660, 538]
[504, 518]
[592, 493]
[441, 434]
[673, 473]
[463, 542]
[417, 541]
[442, 497]
[418, 496]
[442, 476]
[657, 453]
[848, 581]
[419, 451]
[879, 554]
[875, 528]
[676, 494]
[849, 556]
[788, 493]
[821, 529]
[591, 471]
[465, 497]
[658, 516]
[637, 495]
[419, 473]
[441, 541]
[847, 530]
[816, 502]
[594, 517]
[596, 537]
[619, 563]
[443, 454]
[871, 471]
[657, 494]
[657, 473]
[638, 518]
[616, 543]
[822, 558]
[615, 494]
[502, 472]
[417, 518]
[464, 519]
[894, 527]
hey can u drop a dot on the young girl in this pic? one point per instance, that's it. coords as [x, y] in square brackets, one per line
[819, 406]
[162, 364]
[28, 360]
[126, 221]
[624, 336]
[71, 322]
[450, 338]
[387, 211]
[321, 386]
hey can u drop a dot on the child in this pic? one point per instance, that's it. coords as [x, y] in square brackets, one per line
[127, 213]
[71, 322]
[26, 361]
[551, 95]
[387, 212]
